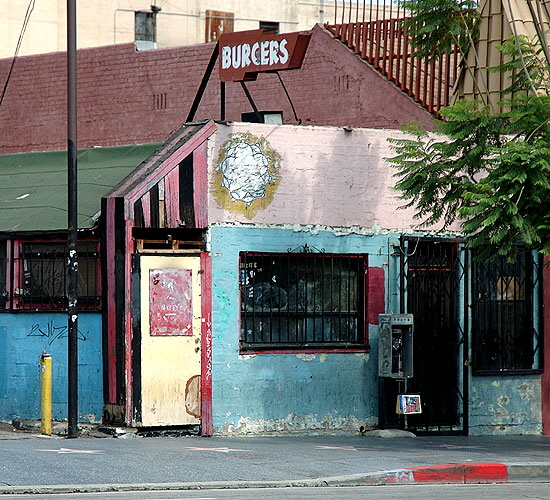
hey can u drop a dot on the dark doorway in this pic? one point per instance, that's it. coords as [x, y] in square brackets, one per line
[433, 291]
[432, 284]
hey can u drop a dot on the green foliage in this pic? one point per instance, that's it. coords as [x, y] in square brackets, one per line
[511, 204]
[489, 172]
[433, 171]
[436, 26]
[526, 65]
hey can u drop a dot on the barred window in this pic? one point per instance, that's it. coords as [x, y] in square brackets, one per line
[505, 316]
[302, 301]
[42, 277]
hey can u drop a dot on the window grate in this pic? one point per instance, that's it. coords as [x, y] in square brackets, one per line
[42, 277]
[302, 300]
[506, 335]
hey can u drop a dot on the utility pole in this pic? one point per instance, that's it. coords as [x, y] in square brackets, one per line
[72, 258]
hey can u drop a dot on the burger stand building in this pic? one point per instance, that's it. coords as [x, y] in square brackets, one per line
[259, 278]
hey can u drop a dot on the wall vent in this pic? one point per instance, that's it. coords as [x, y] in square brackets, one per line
[159, 101]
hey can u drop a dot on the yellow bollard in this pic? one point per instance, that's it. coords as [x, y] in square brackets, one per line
[46, 378]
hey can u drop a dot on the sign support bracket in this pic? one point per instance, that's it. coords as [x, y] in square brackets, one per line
[204, 83]
[252, 103]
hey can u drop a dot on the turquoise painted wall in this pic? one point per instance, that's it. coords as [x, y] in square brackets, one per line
[337, 392]
[23, 337]
[505, 405]
[287, 392]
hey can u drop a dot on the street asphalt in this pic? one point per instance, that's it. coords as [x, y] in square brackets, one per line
[110, 459]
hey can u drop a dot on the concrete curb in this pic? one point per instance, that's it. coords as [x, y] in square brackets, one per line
[458, 473]
[198, 485]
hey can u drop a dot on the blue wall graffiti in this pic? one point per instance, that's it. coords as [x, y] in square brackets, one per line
[53, 332]
[23, 337]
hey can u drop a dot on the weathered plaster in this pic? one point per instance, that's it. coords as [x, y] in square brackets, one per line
[507, 405]
[307, 357]
[287, 391]
[335, 194]
[315, 229]
[328, 176]
[292, 423]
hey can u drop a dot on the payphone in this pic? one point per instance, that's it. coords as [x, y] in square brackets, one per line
[395, 346]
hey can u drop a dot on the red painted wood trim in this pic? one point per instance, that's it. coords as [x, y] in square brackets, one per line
[376, 294]
[366, 300]
[545, 378]
[161, 207]
[206, 345]
[171, 162]
[110, 306]
[128, 334]
[16, 272]
[200, 189]
[146, 208]
[172, 198]
[10, 271]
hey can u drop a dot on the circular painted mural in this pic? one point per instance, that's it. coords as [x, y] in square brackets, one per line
[247, 174]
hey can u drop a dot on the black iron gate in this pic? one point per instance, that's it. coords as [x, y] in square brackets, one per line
[433, 278]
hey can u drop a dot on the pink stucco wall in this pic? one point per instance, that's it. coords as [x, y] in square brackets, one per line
[328, 176]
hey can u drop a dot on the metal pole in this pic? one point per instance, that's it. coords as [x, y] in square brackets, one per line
[46, 392]
[72, 260]
[222, 101]
[204, 83]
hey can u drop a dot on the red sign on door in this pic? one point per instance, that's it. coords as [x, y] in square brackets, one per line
[170, 302]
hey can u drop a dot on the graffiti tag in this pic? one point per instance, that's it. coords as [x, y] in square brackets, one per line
[52, 332]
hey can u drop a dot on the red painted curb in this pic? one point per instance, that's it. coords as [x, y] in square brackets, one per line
[446, 473]
[485, 472]
[459, 473]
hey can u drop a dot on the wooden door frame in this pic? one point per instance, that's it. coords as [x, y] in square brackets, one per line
[206, 427]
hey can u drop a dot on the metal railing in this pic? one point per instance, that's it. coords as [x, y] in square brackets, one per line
[375, 32]
[505, 326]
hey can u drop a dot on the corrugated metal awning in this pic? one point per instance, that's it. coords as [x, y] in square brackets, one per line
[33, 187]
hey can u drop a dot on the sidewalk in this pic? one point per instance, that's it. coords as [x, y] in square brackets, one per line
[122, 459]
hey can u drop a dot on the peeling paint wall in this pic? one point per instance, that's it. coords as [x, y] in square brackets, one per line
[325, 176]
[505, 405]
[333, 192]
[288, 392]
[23, 337]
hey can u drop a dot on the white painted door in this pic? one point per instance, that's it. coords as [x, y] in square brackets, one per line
[170, 340]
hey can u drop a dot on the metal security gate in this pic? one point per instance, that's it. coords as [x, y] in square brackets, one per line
[433, 278]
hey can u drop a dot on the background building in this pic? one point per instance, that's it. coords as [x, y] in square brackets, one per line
[155, 23]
